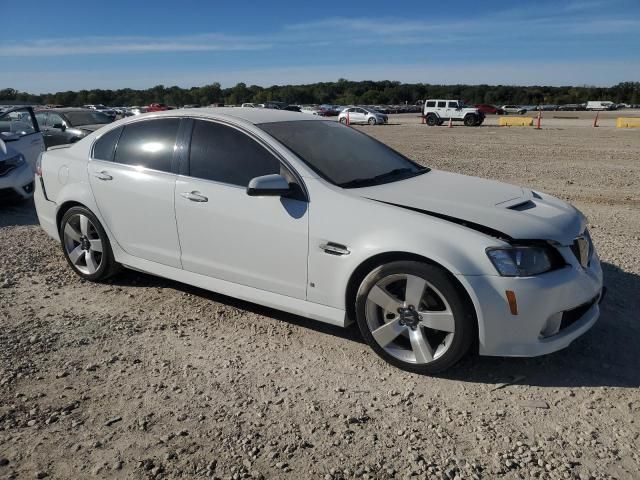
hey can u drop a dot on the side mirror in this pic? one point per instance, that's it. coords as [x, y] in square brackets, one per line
[9, 136]
[60, 126]
[268, 186]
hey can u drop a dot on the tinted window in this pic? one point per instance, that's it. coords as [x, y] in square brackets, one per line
[442, 104]
[149, 144]
[41, 117]
[431, 104]
[105, 145]
[224, 154]
[342, 155]
[18, 121]
[453, 104]
[54, 120]
[87, 117]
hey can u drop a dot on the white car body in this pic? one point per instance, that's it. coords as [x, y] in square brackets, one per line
[600, 105]
[299, 256]
[361, 115]
[436, 111]
[20, 135]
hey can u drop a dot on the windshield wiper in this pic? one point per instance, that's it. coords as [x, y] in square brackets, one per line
[368, 182]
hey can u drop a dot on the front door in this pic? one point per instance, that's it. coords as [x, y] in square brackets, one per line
[133, 181]
[260, 242]
[22, 122]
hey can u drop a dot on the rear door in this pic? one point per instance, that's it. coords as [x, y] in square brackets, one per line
[22, 122]
[133, 181]
[260, 242]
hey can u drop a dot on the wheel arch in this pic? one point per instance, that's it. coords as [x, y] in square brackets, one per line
[64, 208]
[366, 266]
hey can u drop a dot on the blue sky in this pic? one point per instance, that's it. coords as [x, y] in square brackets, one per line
[54, 46]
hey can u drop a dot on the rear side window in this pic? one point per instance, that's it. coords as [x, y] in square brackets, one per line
[224, 154]
[431, 104]
[105, 146]
[148, 144]
[442, 104]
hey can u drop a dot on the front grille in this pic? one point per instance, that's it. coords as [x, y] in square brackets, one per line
[9, 195]
[572, 316]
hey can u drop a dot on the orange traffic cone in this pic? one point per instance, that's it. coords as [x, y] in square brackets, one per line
[595, 120]
[450, 123]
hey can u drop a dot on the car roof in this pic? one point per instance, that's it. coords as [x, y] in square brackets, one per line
[63, 110]
[251, 115]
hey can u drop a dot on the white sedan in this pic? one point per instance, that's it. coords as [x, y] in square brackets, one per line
[318, 219]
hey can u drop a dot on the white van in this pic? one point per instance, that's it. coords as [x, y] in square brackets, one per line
[599, 105]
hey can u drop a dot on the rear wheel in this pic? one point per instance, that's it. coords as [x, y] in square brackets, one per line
[432, 120]
[86, 246]
[413, 316]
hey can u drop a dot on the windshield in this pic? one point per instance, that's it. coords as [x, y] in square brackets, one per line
[88, 117]
[341, 154]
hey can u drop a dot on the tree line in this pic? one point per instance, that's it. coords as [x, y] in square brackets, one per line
[342, 92]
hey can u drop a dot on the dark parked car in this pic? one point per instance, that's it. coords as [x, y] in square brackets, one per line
[489, 109]
[68, 125]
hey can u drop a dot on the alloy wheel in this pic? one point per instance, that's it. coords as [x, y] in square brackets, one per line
[409, 318]
[83, 244]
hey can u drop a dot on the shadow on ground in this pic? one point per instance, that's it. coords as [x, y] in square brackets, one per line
[605, 356]
[18, 213]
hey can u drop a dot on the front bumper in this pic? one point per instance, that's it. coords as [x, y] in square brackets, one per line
[17, 184]
[553, 309]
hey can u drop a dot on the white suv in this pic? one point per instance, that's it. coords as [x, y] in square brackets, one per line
[436, 112]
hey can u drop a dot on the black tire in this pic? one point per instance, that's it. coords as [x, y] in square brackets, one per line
[432, 120]
[464, 316]
[471, 120]
[372, 121]
[107, 266]
[343, 120]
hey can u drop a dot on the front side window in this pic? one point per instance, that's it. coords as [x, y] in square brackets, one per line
[41, 118]
[227, 155]
[343, 155]
[149, 144]
[453, 104]
[105, 146]
[18, 121]
[55, 121]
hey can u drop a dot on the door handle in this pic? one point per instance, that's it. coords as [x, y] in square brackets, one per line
[102, 176]
[194, 196]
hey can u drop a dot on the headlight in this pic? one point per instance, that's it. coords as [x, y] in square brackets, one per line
[521, 261]
[15, 161]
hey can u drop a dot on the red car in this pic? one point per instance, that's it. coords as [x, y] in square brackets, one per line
[157, 107]
[489, 109]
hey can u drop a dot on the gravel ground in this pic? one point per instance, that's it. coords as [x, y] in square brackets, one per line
[147, 378]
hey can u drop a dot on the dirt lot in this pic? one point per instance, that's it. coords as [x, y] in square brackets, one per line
[146, 378]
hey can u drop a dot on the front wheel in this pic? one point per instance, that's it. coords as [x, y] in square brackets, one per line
[343, 120]
[86, 246]
[372, 121]
[470, 120]
[413, 316]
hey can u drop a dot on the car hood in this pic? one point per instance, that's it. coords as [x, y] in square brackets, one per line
[507, 209]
